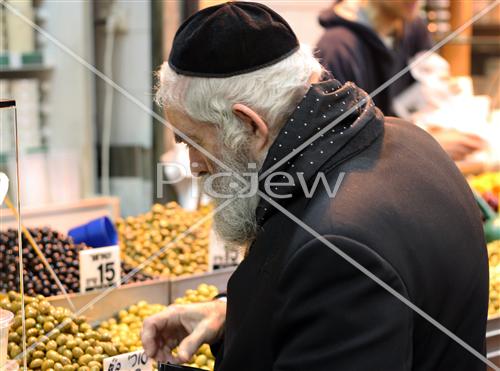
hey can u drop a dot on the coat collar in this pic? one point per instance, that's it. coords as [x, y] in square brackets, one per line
[323, 103]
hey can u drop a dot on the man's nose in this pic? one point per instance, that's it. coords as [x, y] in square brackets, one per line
[197, 162]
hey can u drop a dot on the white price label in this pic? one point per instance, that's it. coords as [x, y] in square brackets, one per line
[133, 361]
[4, 186]
[99, 268]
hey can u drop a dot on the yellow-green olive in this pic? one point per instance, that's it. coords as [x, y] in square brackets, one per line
[36, 363]
[47, 364]
[83, 360]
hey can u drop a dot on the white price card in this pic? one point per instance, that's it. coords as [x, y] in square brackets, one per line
[133, 361]
[99, 268]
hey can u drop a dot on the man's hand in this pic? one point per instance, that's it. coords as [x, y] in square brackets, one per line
[186, 326]
[457, 144]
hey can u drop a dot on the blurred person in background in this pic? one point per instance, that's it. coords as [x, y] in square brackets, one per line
[369, 41]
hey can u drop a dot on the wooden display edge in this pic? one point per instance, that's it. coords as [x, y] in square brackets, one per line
[158, 291]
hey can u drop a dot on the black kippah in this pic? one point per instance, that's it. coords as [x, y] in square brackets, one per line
[231, 39]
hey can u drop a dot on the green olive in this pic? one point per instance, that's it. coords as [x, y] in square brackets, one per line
[94, 364]
[83, 360]
[47, 364]
[70, 344]
[95, 368]
[30, 323]
[40, 346]
[51, 345]
[58, 366]
[16, 349]
[65, 361]
[90, 350]
[36, 363]
[48, 326]
[38, 354]
[30, 312]
[18, 321]
[68, 368]
[53, 355]
[19, 331]
[49, 318]
[14, 337]
[61, 349]
[32, 331]
[110, 349]
[73, 328]
[54, 333]
[31, 340]
[98, 349]
[83, 368]
[77, 352]
[85, 327]
[79, 320]
[44, 307]
[67, 353]
[61, 339]
[98, 357]
[106, 336]
[84, 345]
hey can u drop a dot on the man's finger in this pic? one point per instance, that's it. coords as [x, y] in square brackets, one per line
[189, 346]
[152, 328]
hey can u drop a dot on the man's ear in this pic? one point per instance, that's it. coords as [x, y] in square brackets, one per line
[255, 123]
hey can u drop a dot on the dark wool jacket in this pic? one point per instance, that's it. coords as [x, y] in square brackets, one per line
[352, 51]
[403, 211]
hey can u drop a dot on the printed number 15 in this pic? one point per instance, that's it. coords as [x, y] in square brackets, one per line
[107, 272]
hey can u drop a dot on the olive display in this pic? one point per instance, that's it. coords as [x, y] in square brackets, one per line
[60, 252]
[57, 339]
[494, 262]
[162, 228]
[125, 329]
[137, 276]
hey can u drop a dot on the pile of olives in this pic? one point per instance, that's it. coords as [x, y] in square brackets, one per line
[146, 234]
[137, 276]
[59, 251]
[126, 330]
[494, 260]
[57, 339]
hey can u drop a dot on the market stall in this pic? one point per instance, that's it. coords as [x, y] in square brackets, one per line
[94, 238]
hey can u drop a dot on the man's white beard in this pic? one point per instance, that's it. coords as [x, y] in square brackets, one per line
[235, 222]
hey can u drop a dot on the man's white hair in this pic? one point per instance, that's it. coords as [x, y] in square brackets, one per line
[272, 92]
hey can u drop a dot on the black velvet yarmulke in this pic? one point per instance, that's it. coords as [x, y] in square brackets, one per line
[231, 39]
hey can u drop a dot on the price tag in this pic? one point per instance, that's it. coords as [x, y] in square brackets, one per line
[133, 361]
[4, 186]
[99, 268]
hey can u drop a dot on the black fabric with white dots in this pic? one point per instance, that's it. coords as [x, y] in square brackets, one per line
[314, 118]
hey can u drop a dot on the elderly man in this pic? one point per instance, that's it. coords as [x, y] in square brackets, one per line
[368, 211]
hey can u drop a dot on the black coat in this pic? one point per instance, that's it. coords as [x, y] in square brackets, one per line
[403, 211]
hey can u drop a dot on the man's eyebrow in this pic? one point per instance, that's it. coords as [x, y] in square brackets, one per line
[179, 139]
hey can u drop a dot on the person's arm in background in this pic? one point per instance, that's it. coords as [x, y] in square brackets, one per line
[332, 316]
[457, 144]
